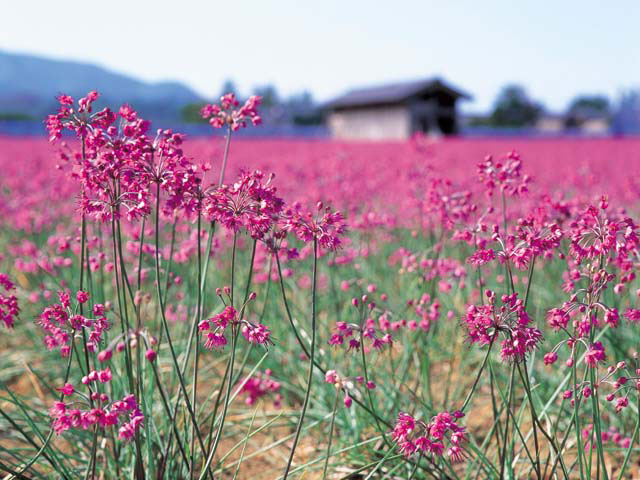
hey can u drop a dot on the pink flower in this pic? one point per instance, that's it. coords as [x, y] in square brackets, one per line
[504, 174]
[81, 296]
[250, 203]
[331, 377]
[326, 226]
[104, 376]
[633, 315]
[150, 355]
[260, 385]
[413, 435]
[67, 389]
[9, 309]
[595, 354]
[550, 358]
[105, 355]
[256, 334]
[485, 322]
[215, 340]
[227, 114]
[481, 257]
[557, 318]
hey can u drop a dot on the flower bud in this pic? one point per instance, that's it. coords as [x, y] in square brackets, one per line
[105, 355]
[150, 355]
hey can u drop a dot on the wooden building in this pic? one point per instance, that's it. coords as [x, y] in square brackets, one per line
[395, 112]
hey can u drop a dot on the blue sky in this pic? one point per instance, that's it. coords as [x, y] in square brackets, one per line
[555, 48]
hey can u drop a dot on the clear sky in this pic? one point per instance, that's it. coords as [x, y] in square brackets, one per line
[555, 48]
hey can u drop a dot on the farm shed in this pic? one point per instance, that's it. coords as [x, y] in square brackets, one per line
[396, 111]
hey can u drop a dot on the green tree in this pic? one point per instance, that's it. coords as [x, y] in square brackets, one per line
[514, 108]
[190, 113]
[591, 103]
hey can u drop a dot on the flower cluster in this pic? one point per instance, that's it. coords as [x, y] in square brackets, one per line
[352, 332]
[485, 322]
[9, 308]
[427, 311]
[228, 113]
[216, 326]
[347, 385]
[595, 354]
[325, 226]
[80, 119]
[595, 234]
[249, 203]
[446, 271]
[111, 165]
[260, 385]
[60, 322]
[504, 174]
[416, 436]
[99, 410]
[611, 436]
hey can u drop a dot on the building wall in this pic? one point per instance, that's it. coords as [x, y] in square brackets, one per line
[374, 123]
[550, 124]
[595, 126]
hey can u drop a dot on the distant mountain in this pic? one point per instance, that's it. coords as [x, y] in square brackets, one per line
[29, 85]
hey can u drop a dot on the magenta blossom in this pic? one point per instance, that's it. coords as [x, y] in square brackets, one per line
[416, 436]
[228, 113]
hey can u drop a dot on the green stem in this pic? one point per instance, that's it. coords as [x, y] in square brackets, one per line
[235, 330]
[333, 418]
[165, 325]
[633, 440]
[311, 360]
[144, 219]
[596, 422]
[46, 442]
[505, 436]
[234, 338]
[194, 386]
[225, 156]
[366, 379]
[475, 382]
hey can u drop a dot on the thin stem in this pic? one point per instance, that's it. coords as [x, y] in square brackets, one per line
[333, 418]
[311, 359]
[633, 440]
[144, 219]
[234, 341]
[225, 156]
[139, 468]
[46, 442]
[534, 418]
[596, 421]
[301, 343]
[194, 386]
[91, 468]
[475, 382]
[233, 265]
[576, 417]
[366, 379]
[234, 338]
[165, 325]
[505, 436]
[415, 468]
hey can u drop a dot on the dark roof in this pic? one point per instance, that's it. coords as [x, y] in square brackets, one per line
[393, 93]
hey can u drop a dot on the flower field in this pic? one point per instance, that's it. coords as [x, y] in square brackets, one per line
[226, 307]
